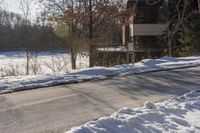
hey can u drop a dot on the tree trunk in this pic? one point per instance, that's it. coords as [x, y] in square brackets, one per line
[73, 57]
[169, 46]
[91, 54]
[73, 61]
[27, 62]
[91, 48]
[72, 47]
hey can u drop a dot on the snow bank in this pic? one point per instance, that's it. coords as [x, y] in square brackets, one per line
[16, 83]
[176, 115]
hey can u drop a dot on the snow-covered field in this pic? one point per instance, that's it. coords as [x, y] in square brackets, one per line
[16, 83]
[13, 63]
[180, 115]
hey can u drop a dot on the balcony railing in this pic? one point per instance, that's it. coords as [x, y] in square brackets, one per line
[117, 47]
[128, 48]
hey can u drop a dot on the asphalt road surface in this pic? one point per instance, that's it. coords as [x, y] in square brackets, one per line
[57, 109]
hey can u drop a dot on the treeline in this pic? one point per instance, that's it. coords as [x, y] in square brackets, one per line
[17, 33]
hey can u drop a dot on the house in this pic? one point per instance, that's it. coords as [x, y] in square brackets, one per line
[142, 34]
[143, 29]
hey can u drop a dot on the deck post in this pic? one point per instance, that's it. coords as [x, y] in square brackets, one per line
[133, 47]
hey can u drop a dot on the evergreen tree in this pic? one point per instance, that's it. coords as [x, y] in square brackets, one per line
[190, 37]
[176, 14]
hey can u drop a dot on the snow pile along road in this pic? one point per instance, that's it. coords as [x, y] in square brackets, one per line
[16, 83]
[176, 115]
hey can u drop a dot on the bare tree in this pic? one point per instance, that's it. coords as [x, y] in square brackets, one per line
[86, 19]
[97, 19]
[26, 12]
[62, 13]
[178, 12]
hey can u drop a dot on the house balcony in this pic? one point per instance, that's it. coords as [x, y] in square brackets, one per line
[148, 29]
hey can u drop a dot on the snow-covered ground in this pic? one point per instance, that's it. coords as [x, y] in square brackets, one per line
[16, 83]
[13, 63]
[180, 115]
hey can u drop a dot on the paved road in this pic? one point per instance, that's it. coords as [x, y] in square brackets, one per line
[56, 109]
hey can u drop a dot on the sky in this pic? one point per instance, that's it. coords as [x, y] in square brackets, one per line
[14, 6]
[11, 5]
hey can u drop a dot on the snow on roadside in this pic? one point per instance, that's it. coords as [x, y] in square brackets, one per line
[180, 114]
[16, 83]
